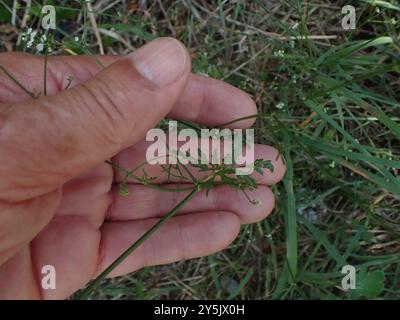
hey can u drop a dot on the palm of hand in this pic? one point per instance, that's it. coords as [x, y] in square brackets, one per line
[89, 224]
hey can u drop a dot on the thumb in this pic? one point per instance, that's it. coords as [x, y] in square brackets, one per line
[45, 142]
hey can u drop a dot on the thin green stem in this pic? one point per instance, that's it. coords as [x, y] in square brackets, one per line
[256, 116]
[135, 245]
[194, 180]
[46, 54]
[198, 186]
[19, 84]
[129, 174]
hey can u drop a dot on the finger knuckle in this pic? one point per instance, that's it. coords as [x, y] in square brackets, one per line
[108, 107]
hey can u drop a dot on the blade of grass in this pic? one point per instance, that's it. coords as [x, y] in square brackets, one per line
[321, 237]
[19, 84]
[241, 285]
[290, 216]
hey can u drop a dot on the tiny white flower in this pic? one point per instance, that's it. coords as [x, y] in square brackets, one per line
[76, 39]
[279, 53]
[280, 105]
[40, 47]
[33, 35]
[29, 44]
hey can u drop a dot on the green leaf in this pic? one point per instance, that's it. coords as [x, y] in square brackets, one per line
[373, 284]
[241, 285]
[383, 4]
[5, 15]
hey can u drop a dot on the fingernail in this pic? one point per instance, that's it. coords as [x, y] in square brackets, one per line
[162, 61]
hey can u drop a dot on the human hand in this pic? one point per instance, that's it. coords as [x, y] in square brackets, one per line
[58, 203]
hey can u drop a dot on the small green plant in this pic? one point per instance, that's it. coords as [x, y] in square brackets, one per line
[217, 174]
[328, 99]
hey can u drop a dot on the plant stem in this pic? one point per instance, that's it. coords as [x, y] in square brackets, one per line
[135, 245]
[46, 53]
[253, 116]
[19, 84]
[155, 186]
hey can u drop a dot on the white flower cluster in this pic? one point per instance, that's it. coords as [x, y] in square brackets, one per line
[34, 40]
[279, 53]
[280, 105]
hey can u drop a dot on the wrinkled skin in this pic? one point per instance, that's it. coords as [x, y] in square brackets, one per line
[59, 202]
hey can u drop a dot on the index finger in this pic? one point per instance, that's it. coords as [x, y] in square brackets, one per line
[205, 100]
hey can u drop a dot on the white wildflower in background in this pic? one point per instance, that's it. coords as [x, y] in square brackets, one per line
[40, 47]
[309, 207]
[76, 39]
[29, 37]
[42, 42]
[279, 53]
[308, 212]
[33, 35]
[280, 105]
[36, 40]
